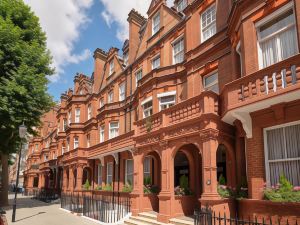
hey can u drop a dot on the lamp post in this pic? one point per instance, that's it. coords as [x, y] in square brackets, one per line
[22, 134]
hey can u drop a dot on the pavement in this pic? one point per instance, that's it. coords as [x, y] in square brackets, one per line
[34, 212]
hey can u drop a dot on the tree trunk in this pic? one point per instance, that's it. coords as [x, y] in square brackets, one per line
[4, 185]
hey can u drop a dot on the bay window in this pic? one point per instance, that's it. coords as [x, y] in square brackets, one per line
[76, 142]
[113, 129]
[166, 100]
[110, 97]
[122, 91]
[138, 76]
[208, 23]
[282, 153]
[155, 62]
[102, 133]
[77, 115]
[277, 38]
[129, 172]
[89, 111]
[178, 51]
[147, 107]
[210, 82]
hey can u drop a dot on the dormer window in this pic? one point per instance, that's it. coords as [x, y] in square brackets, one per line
[156, 62]
[111, 67]
[181, 5]
[156, 23]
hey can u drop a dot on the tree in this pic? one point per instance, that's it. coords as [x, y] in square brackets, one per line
[25, 64]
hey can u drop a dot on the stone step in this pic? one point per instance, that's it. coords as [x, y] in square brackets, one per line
[144, 220]
[133, 222]
[149, 215]
[182, 221]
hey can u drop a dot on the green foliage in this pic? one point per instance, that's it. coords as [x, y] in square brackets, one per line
[222, 180]
[183, 188]
[24, 67]
[147, 180]
[283, 192]
[87, 185]
[98, 188]
[184, 182]
[127, 188]
[107, 187]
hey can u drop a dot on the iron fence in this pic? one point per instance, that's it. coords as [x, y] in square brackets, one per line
[104, 208]
[205, 216]
[45, 195]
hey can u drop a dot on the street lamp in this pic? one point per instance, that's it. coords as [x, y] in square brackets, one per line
[22, 134]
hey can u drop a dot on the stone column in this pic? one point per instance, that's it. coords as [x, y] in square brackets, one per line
[65, 179]
[79, 177]
[71, 178]
[209, 164]
[167, 185]
[138, 183]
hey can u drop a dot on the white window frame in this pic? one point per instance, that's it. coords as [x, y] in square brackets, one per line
[174, 43]
[63, 150]
[99, 174]
[155, 27]
[102, 133]
[147, 109]
[122, 91]
[267, 161]
[205, 87]
[113, 131]
[110, 97]
[181, 5]
[111, 67]
[77, 115]
[101, 102]
[166, 94]
[64, 124]
[238, 49]
[213, 23]
[126, 171]
[68, 144]
[138, 76]
[109, 175]
[69, 117]
[154, 61]
[89, 111]
[144, 171]
[76, 142]
[269, 18]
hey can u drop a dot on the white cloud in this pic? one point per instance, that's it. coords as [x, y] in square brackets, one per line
[116, 11]
[63, 22]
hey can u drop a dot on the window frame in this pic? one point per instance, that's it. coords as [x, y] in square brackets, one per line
[138, 72]
[205, 88]
[173, 43]
[122, 93]
[112, 172]
[99, 174]
[102, 132]
[110, 97]
[157, 57]
[101, 102]
[115, 129]
[181, 4]
[126, 171]
[266, 150]
[156, 27]
[166, 94]
[147, 172]
[69, 117]
[88, 140]
[77, 115]
[269, 18]
[150, 99]
[111, 67]
[89, 113]
[76, 142]
[213, 23]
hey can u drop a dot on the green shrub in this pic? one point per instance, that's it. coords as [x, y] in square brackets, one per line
[222, 180]
[183, 188]
[284, 192]
[107, 187]
[127, 188]
[184, 182]
[224, 191]
[98, 188]
[87, 185]
[147, 180]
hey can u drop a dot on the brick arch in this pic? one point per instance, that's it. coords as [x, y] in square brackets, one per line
[156, 166]
[86, 174]
[230, 163]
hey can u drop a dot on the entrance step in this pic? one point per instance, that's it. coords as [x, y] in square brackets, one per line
[145, 218]
[149, 215]
[184, 220]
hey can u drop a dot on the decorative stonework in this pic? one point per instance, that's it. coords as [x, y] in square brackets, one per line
[184, 130]
[208, 134]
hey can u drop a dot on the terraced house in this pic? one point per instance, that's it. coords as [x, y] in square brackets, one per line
[203, 93]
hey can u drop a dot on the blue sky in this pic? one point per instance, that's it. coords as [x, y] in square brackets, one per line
[75, 28]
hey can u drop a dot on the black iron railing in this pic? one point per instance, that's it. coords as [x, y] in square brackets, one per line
[206, 216]
[104, 208]
[45, 195]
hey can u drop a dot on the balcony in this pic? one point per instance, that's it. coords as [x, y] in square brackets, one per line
[205, 103]
[112, 106]
[272, 85]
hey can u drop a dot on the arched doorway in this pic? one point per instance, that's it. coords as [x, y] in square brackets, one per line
[221, 164]
[187, 181]
[86, 175]
[151, 181]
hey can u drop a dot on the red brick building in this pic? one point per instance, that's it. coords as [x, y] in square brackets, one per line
[200, 89]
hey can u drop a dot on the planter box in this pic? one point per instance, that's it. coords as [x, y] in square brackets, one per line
[150, 202]
[264, 208]
[184, 205]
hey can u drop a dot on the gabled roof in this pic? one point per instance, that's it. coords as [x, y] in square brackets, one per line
[154, 5]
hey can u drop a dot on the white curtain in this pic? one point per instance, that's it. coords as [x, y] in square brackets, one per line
[284, 154]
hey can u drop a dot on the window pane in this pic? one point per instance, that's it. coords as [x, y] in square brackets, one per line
[292, 136]
[275, 140]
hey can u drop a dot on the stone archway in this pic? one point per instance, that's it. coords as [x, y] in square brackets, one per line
[151, 181]
[187, 179]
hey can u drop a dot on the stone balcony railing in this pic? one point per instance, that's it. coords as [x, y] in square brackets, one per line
[112, 106]
[206, 102]
[275, 80]
[78, 152]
